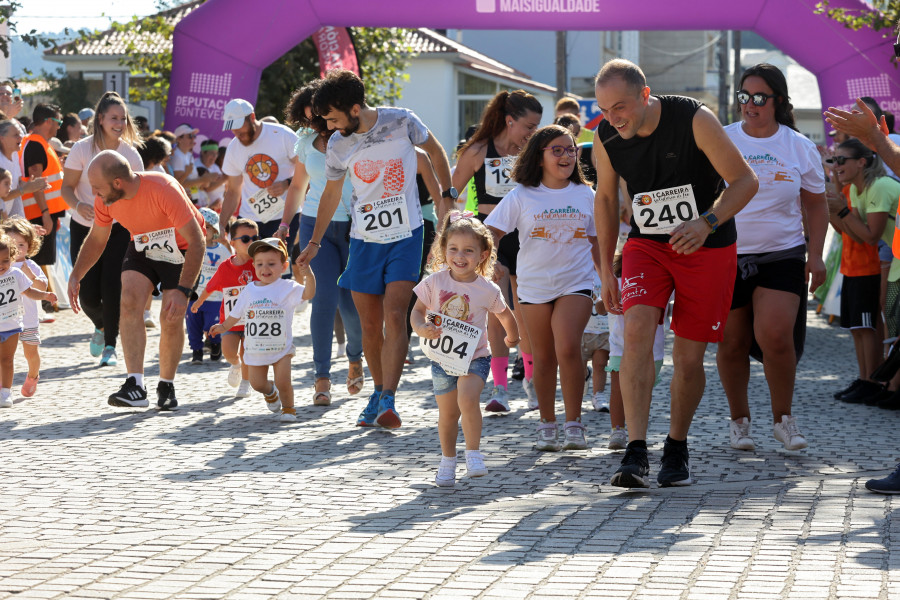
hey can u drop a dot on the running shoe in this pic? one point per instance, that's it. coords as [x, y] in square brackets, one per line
[599, 402]
[108, 358]
[197, 357]
[6, 401]
[674, 469]
[739, 434]
[498, 402]
[97, 343]
[130, 394]
[789, 434]
[243, 390]
[288, 415]
[30, 386]
[618, 439]
[367, 417]
[518, 370]
[547, 437]
[273, 399]
[574, 436]
[149, 321]
[853, 385]
[634, 471]
[46, 317]
[446, 474]
[587, 380]
[867, 392]
[387, 413]
[215, 352]
[528, 386]
[234, 375]
[888, 485]
[165, 395]
[475, 464]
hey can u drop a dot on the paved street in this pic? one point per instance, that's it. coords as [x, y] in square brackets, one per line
[220, 500]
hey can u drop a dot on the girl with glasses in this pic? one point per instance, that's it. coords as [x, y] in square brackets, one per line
[552, 207]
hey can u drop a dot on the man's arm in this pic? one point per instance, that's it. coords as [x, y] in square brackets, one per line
[606, 222]
[328, 203]
[232, 196]
[294, 196]
[426, 170]
[193, 257]
[438, 160]
[863, 125]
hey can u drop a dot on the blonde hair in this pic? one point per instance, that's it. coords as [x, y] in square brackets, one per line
[466, 224]
[7, 243]
[26, 230]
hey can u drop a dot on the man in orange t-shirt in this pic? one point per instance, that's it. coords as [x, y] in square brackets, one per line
[166, 250]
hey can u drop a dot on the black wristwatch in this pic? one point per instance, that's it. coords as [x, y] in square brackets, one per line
[843, 212]
[451, 193]
[188, 292]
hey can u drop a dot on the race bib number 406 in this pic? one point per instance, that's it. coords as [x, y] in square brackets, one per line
[159, 245]
[661, 211]
[383, 221]
[264, 331]
[455, 347]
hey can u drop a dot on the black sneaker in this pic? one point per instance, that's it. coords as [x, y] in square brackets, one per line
[130, 394]
[862, 392]
[634, 470]
[891, 402]
[518, 370]
[674, 469]
[165, 395]
[197, 357]
[215, 352]
[848, 389]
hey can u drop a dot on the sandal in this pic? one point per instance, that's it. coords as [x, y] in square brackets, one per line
[356, 378]
[322, 397]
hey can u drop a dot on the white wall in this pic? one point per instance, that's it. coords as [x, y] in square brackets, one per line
[431, 94]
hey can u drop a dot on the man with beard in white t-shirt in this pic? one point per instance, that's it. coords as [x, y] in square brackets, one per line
[259, 166]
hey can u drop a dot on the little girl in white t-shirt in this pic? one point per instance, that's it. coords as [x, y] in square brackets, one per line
[451, 316]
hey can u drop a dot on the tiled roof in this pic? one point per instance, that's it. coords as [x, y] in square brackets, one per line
[113, 43]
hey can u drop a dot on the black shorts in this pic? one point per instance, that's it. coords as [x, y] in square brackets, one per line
[783, 275]
[860, 301]
[507, 249]
[162, 274]
[47, 254]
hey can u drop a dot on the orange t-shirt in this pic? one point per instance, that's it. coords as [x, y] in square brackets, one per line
[857, 260]
[160, 203]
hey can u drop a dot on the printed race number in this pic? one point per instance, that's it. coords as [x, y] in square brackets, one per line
[230, 298]
[455, 347]
[264, 331]
[159, 245]
[9, 298]
[384, 220]
[496, 176]
[661, 211]
[265, 207]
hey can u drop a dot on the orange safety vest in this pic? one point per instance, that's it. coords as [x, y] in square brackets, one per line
[54, 175]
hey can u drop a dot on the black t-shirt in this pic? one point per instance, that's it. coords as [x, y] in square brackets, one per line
[480, 188]
[34, 154]
[668, 158]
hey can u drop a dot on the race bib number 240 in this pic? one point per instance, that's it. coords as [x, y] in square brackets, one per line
[661, 211]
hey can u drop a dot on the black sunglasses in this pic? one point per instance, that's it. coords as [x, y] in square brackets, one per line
[246, 238]
[840, 160]
[758, 99]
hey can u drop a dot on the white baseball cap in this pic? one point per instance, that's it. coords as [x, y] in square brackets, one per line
[235, 112]
[211, 217]
[184, 129]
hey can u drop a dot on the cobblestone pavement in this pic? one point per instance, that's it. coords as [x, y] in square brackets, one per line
[220, 500]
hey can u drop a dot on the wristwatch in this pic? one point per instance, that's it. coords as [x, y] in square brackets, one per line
[711, 220]
[188, 292]
[451, 193]
[843, 212]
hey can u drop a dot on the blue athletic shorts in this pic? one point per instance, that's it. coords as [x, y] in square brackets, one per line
[444, 384]
[371, 266]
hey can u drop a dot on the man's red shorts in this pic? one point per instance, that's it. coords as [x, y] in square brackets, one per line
[703, 283]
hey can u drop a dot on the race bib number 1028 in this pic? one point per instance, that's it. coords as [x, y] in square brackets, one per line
[661, 211]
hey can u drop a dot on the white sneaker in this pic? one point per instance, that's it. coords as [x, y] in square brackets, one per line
[498, 402]
[446, 474]
[288, 415]
[475, 464]
[243, 390]
[574, 436]
[6, 401]
[149, 321]
[618, 439]
[528, 386]
[273, 400]
[599, 402]
[234, 375]
[789, 434]
[547, 437]
[740, 434]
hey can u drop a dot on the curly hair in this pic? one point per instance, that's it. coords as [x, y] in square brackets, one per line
[26, 230]
[468, 224]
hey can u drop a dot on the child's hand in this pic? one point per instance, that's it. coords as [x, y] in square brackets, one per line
[215, 329]
[429, 331]
[511, 343]
[51, 298]
[195, 306]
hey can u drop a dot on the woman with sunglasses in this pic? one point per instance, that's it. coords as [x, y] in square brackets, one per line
[775, 262]
[552, 208]
[331, 259]
[489, 157]
[101, 286]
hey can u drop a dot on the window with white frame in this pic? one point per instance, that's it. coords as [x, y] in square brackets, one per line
[473, 94]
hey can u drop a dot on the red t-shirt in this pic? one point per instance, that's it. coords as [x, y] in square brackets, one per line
[230, 275]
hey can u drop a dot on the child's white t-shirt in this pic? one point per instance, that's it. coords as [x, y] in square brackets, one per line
[30, 318]
[268, 313]
[212, 258]
[12, 284]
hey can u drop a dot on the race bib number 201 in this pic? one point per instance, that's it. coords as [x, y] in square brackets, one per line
[455, 347]
[661, 211]
[384, 220]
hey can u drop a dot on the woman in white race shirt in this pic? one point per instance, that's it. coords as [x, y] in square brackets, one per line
[775, 263]
[101, 287]
[10, 140]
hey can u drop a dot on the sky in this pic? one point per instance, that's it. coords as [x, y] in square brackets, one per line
[56, 15]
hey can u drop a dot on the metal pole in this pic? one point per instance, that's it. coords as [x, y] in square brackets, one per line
[562, 76]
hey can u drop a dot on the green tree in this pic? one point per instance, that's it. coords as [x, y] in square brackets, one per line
[32, 38]
[883, 14]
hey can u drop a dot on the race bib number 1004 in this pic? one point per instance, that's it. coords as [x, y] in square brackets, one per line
[455, 347]
[383, 221]
[661, 211]
[159, 245]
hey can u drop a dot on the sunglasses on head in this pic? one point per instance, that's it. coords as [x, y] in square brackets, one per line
[758, 99]
[558, 151]
[246, 238]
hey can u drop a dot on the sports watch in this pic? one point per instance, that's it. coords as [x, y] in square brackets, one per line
[451, 193]
[188, 292]
[711, 220]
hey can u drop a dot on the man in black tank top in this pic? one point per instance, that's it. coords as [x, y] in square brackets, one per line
[673, 155]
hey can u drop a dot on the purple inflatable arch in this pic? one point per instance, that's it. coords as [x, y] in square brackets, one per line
[221, 48]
